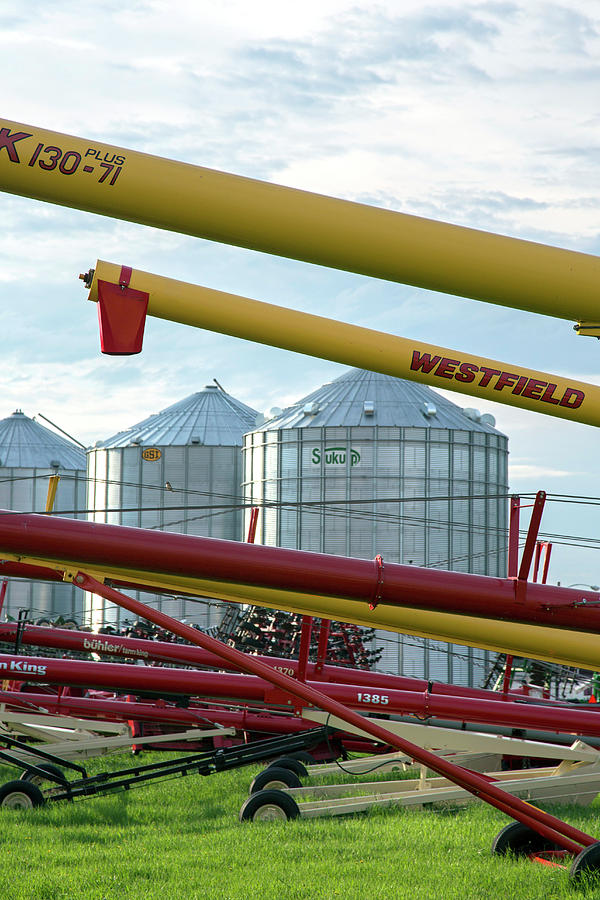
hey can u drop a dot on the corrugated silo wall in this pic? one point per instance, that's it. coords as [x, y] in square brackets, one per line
[26, 490]
[324, 483]
[127, 489]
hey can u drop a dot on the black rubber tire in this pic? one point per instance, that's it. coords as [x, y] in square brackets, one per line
[520, 840]
[290, 762]
[586, 866]
[304, 757]
[32, 778]
[20, 795]
[267, 806]
[274, 779]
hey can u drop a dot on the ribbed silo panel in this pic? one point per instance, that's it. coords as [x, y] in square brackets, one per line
[388, 460]
[461, 665]
[100, 486]
[289, 490]
[271, 461]
[39, 491]
[258, 464]
[114, 480]
[247, 459]
[479, 666]
[478, 532]
[175, 472]
[311, 530]
[81, 495]
[312, 454]
[387, 530]
[311, 490]
[230, 523]
[361, 458]
[131, 465]
[391, 659]
[6, 486]
[335, 524]
[91, 480]
[479, 464]
[414, 658]
[439, 460]
[152, 480]
[288, 536]
[199, 468]
[224, 487]
[270, 527]
[199, 473]
[439, 656]
[461, 461]
[22, 489]
[22, 597]
[289, 460]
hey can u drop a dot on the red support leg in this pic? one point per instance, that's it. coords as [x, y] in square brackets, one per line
[304, 650]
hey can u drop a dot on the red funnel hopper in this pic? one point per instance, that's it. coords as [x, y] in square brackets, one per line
[122, 316]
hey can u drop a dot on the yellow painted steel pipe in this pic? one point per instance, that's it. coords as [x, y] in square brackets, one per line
[52, 488]
[91, 175]
[377, 351]
[570, 648]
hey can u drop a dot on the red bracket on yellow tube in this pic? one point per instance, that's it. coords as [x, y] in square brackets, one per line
[122, 316]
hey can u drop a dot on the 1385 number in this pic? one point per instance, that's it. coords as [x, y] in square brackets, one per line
[382, 699]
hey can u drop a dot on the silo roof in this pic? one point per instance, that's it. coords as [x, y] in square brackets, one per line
[359, 397]
[25, 444]
[210, 416]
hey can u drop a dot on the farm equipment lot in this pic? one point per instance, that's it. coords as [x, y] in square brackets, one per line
[182, 838]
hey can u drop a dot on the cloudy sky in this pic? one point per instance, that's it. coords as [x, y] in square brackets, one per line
[485, 114]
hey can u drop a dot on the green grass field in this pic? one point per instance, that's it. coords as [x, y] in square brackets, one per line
[182, 839]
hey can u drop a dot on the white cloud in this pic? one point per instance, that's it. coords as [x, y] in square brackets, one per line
[520, 471]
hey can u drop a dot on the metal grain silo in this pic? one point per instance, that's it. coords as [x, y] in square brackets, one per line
[371, 464]
[29, 454]
[178, 470]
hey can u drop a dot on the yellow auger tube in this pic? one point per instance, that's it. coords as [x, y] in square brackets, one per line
[569, 648]
[353, 345]
[112, 181]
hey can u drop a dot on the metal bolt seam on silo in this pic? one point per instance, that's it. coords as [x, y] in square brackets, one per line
[343, 456]
[187, 455]
[30, 454]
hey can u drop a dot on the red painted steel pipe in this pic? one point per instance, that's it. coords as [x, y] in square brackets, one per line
[163, 651]
[125, 711]
[99, 546]
[24, 570]
[96, 545]
[99, 708]
[250, 689]
[548, 826]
